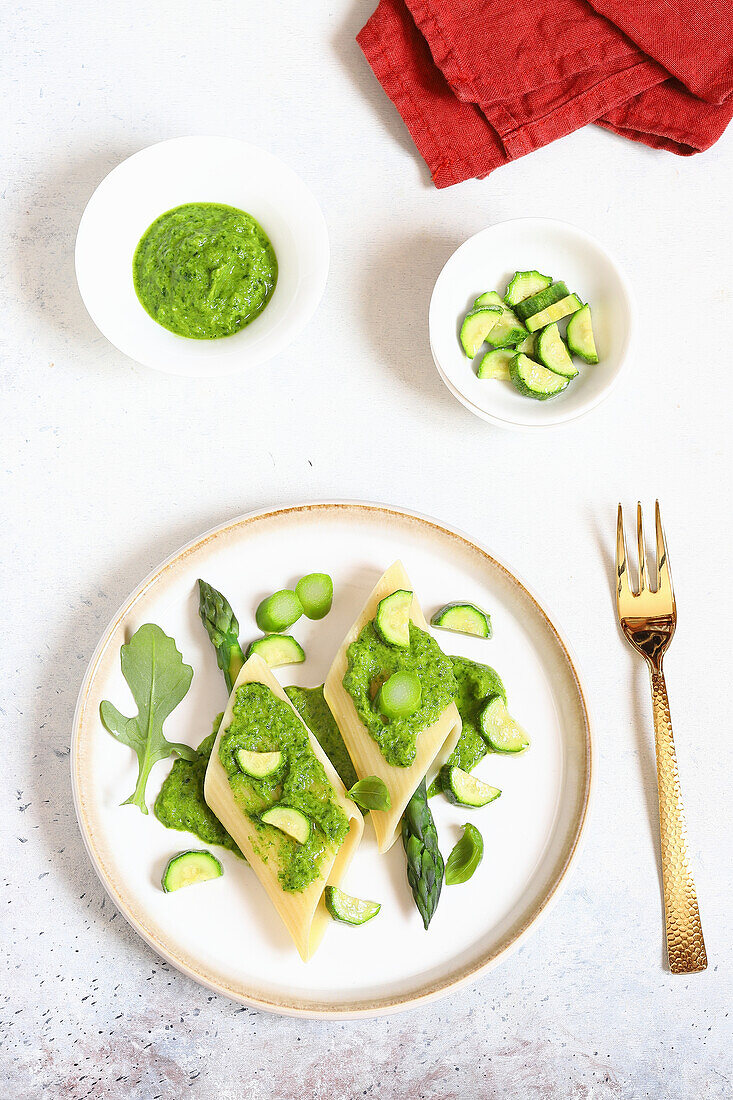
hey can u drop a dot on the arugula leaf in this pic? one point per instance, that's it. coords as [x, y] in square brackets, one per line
[158, 680]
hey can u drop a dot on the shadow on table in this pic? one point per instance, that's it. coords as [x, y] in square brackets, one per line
[356, 65]
[398, 280]
[44, 236]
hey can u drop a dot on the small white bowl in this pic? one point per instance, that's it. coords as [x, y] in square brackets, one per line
[487, 261]
[200, 169]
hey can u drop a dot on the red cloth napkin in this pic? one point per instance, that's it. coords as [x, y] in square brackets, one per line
[482, 82]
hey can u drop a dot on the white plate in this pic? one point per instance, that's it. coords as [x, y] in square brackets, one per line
[200, 169]
[223, 933]
[487, 261]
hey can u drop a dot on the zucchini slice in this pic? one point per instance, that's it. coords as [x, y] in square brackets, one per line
[580, 335]
[392, 619]
[554, 312]
[315, 592]
[463, 618]
[277, 650]
[553, 354]
[476, 327]
[500, 731]
[278, 611]
[495, 364]
[258, 764]
[463, 789]
[527, 346]
[490, 298]
[349, 910]
[534, 380]
[289, 821]
[400, 695]
[508, 330]
[524, 284]
[188, 868]
[541, 300]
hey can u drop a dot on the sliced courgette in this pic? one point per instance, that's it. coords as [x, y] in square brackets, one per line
[537, 302]
[289, 821]
[554, 312]
[188, 868]
[392, 619]
[527, 346]
[500, 731]
[463, 789]
[258, 764]
[508, 330]
[534, 380]
[277, 650]
[580, 335]
[463, 618]
[524, 284]
[553, 354]
[490, 298]
[278, 611]
[476, 327]
[495, 364]
[349, 910]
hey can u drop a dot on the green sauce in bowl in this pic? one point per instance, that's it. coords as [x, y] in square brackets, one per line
[204, 270]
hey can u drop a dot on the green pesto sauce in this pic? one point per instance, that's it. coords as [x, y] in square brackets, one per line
[263, 723]
[476, 685]
[204, 270]
[314, 710]
[371, 661]
[181, 804]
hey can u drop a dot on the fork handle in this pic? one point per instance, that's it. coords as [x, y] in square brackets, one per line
[685, 943]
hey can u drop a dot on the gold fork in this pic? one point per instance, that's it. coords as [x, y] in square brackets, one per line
[648, 618]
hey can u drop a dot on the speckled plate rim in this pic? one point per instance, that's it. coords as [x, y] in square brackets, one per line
[298, 1006]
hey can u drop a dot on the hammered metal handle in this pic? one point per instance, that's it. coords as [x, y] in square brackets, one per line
[685, 944]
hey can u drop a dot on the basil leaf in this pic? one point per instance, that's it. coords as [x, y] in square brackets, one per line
[158, 680]
[371, 794]
[465, 857]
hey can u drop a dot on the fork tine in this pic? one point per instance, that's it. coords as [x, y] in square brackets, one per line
[622, 575]
[664, 577]
[643, 580]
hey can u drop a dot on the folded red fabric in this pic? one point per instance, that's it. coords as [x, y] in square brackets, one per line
[480, 83]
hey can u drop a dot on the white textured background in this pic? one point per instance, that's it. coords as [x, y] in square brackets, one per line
[107, 467]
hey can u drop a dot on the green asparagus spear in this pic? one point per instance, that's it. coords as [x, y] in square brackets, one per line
[223, 629]
[424, 861]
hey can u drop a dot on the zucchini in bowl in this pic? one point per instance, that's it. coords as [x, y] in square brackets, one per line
[534, 380]
[476, 327]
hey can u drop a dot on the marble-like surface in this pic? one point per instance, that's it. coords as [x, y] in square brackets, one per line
[107, 467]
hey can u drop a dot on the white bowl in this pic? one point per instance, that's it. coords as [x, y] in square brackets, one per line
[200, 169]
[487, 261]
